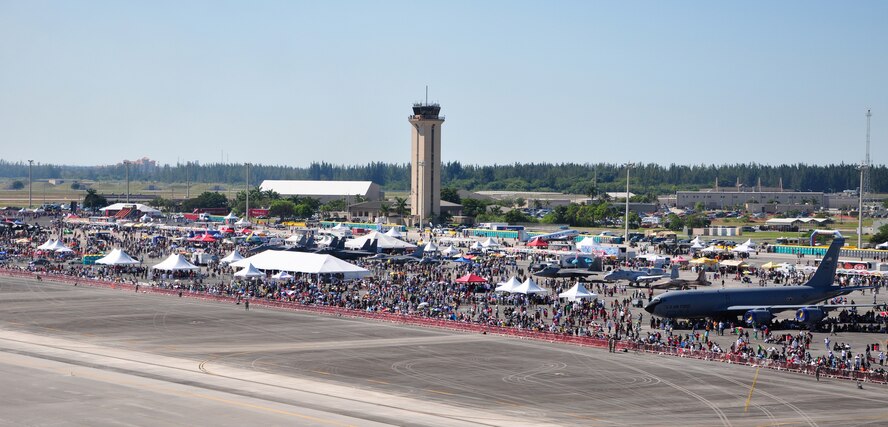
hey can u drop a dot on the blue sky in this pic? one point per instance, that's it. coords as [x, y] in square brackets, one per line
[96, 82]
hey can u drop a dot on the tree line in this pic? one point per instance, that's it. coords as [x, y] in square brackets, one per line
[573, 178]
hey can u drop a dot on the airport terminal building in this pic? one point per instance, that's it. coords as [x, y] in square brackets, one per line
[729, 199]
[324, 191]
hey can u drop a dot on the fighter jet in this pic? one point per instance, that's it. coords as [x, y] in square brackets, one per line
[641, 276]
[673, 282]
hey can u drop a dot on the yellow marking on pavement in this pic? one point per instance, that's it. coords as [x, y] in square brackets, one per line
[271, 410]
[751, 389]
[439, 392]
[377, 381]
[321, 372]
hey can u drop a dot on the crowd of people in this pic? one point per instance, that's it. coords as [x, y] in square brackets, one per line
[430, 290]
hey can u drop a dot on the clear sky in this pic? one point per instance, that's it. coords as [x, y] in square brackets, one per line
[290, 82]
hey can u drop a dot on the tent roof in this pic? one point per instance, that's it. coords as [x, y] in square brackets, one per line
[117, 257]
[232, 257]
[119, 206]
[394, 232]
[175, 262]
[578, 291]
[490, 241]
[508, 285]
[431, 247]
[301, 262]
[471, 278]
[528, 287]
[383, 241]
[249, 271]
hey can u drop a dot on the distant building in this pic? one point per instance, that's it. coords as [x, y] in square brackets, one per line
[325, 191]
[720, 199]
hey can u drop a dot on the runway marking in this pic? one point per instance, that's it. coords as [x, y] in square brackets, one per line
[751, 389]
[321, 372]
[202, 367]
[271, 410]
[440, 392]
[377, 381]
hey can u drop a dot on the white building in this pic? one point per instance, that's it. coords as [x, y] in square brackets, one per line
[324, 191]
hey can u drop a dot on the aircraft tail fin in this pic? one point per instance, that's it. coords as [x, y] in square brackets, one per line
[418, 251]
[374, 246]
[826, 271]
[366, 245]
[702, 276]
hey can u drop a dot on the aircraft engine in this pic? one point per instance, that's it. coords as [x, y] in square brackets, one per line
[758, 317]
[810, 315]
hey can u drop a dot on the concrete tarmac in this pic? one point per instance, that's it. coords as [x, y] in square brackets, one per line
[85, 356]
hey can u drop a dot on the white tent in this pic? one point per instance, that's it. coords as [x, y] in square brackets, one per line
[293, 239]
[243, 223]
[742, 248]
[282, 275]
[175, 262]
[138, 206]
[232, 257]
[58, 246]
[430, 247]
[490, 243]
[249, 272]
[528, 287]
[476, 246]
[450, 251]
[383, 241]
[394, 232]
[587, 244]
[302, 262]
[117, 257]
[508, 285]
[712, 249]
[230, 216]
[48, 244]
[578, 292]
[696, 243]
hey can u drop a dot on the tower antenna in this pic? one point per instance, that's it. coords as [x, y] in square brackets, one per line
[427, 103]
[866, 159]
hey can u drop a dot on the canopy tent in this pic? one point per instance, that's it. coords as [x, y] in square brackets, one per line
[58, 246]
[748, 243]
[230, 216]
[293, 239]
[703, 260]
[538, 243]
[462, 260]
[430, 247]
[117, 257]
[587, 242]
[680, 259]
[302, 262]
[471, 278]
[696, 243]
[383, 241]
[528, 287]
[712, 249]
[249, 271]
[770, 265]
[578, 292]
[394, 232]
[243, 223]
[282, 275]
[450, 251]
[508, 285]
[175, 262]
[48, 244]
[234, 256]
[741, 249]
[203, 238]
[733, 263]
[476, 246]
[138, 206]
[490, 242]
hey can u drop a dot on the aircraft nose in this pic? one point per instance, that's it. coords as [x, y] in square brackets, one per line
[651, 306]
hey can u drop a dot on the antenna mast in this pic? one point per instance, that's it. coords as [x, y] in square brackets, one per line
[866, 160]
[427, 103]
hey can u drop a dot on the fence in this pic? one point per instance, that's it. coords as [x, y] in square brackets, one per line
[472, 328]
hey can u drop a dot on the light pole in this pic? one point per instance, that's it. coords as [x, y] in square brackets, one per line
[30, 163]
[127, 163]
[248, 192]
[862, 168]
[626, 219]
[44, 195]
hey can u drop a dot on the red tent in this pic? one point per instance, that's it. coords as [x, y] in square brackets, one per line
[471, 278]
[538, 243]
[207, 238]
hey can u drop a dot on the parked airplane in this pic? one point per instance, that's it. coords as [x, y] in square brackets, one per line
[759, 305]
[416, 256]
[558, 235]
[554, 271]
[641, 276]
[673, 282]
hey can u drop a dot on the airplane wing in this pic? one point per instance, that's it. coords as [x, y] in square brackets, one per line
[649, 278]
[825, 307]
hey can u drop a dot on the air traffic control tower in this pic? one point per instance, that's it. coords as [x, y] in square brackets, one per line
[425, 159]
